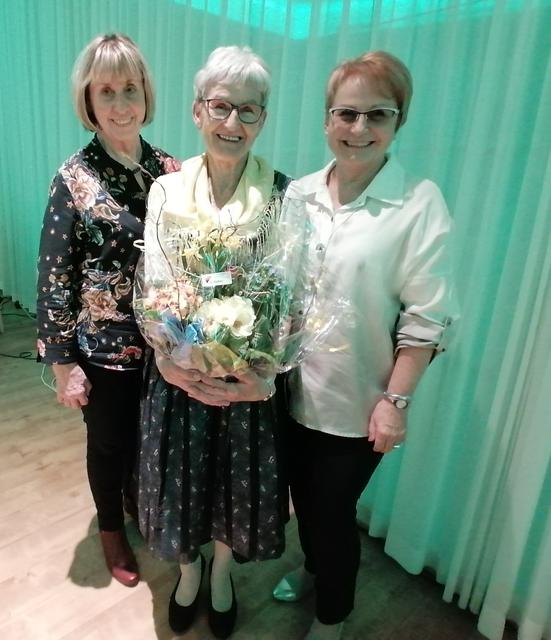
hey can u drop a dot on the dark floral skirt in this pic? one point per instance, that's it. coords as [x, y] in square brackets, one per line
[208, 473]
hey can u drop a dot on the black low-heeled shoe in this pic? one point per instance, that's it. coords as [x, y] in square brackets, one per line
[222, 623]
[181, 617]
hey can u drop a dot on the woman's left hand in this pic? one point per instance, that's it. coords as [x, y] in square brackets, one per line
[190, 381]
[249, 386]
[387, 426]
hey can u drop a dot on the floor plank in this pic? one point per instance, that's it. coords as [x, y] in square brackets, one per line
[53, 584]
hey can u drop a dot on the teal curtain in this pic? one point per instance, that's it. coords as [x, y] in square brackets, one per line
[470, 494]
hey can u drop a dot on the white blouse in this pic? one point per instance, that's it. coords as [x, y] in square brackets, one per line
[383, 267]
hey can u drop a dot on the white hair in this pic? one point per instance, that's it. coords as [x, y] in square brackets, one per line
[233, 65]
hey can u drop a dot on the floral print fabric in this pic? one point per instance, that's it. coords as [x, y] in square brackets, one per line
[95, 213]
[208, 473]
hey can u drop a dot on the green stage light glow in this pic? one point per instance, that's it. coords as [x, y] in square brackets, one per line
[301, 19]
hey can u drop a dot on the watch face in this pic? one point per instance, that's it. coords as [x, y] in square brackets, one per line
[401, 404]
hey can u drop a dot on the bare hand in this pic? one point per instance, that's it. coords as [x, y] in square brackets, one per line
[387, 426]
[249, 386]
[191, 381]
[72, 385]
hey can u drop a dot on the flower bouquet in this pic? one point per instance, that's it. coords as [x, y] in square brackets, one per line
[220, 298]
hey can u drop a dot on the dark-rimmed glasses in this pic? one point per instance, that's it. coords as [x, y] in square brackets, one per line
[378, 117]
[248, 113]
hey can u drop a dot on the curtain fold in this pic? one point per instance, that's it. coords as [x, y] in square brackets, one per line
[470, 494]
[475, 506]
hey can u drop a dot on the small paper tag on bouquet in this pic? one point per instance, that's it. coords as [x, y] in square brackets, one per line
[216, 279]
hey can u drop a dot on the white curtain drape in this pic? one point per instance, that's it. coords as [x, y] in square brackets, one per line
[470, 494]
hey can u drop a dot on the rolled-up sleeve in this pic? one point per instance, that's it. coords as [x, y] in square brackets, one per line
[428, 300]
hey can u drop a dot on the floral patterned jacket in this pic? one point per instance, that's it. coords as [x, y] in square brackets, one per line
[95, 213]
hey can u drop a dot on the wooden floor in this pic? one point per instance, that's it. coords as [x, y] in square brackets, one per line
[53, 584]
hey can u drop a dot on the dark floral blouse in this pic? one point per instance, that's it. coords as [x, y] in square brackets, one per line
[95, 213]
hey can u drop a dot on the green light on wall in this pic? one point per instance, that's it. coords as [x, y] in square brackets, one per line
[282, 18]
[301, 19]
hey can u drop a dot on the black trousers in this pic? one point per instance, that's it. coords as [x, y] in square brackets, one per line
[111, 418]
[327, 476]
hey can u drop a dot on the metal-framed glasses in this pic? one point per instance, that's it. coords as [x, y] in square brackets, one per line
[378, 117]
[248, 113]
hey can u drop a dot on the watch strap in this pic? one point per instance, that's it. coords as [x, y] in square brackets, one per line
[398, 400]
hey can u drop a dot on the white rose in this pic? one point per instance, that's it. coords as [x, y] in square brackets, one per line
[241, 312]
[206, 315]
[236, 313]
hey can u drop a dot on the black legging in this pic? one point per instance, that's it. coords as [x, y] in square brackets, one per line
[111, 418]
[327, 476]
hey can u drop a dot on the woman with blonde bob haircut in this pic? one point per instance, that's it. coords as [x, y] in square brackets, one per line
[110, 56]
[86, 327]
[381, 241]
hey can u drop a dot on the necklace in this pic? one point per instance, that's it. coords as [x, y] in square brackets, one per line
[127, 160]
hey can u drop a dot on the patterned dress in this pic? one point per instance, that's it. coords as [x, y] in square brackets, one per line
[209, 473]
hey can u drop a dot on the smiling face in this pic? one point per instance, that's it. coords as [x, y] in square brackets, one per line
[360, 143]
[228, 140]
[118, 103]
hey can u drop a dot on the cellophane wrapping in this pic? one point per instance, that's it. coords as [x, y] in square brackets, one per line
[219, 299]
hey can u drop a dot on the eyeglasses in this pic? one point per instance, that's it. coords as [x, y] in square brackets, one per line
[378, 117]
[221, 109]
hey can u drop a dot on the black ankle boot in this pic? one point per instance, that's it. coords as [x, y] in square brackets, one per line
[221, 623]
[181, 617]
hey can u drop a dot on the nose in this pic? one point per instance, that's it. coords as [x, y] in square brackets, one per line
[233, 119]
[361, 123]
[120, 102]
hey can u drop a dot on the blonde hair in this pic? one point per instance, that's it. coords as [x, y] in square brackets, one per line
[390, 75]
[109, 54]
[229, 65]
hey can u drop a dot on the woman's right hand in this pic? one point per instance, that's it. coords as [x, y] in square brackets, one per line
[72, 385]
[190, 381]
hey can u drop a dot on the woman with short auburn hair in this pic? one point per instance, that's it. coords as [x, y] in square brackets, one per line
[383, 70]
[380, 241]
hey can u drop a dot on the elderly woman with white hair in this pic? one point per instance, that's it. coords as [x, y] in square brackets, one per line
[210, 456]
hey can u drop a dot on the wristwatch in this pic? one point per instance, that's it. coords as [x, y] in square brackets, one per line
[400, 402]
